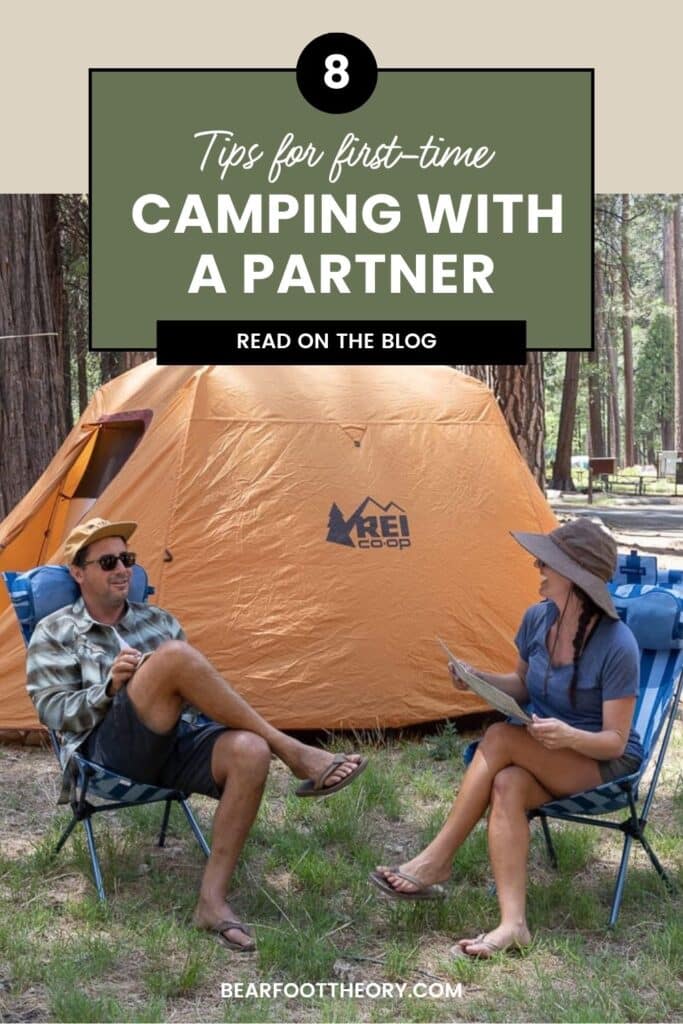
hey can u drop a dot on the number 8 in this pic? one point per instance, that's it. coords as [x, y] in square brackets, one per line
[336, 76]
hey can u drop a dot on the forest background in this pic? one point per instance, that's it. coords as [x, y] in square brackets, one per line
[623, 399]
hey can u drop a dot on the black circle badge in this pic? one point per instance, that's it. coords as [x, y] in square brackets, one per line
[336, 73]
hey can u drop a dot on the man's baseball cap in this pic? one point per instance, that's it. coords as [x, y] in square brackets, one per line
[94, 529]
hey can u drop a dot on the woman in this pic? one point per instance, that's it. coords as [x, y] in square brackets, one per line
[578, 667]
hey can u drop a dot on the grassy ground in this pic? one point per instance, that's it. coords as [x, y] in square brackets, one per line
[302, 881]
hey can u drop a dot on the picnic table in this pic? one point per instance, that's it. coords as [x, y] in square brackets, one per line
[630, 484]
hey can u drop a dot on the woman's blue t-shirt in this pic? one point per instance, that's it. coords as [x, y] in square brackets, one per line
[608, 669]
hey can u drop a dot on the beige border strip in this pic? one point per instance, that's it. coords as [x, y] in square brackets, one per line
[48, 47]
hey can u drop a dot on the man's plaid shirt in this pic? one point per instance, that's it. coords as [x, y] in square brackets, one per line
[69, 664]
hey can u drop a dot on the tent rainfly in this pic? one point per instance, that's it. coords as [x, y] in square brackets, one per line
[314, 529]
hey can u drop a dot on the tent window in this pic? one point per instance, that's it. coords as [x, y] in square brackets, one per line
[115, 443]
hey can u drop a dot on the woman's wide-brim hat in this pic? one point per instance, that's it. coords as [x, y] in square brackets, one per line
[583, 551]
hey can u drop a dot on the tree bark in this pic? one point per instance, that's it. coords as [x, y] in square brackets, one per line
[678, 349]
[82, 371]
[482, 373]
[627, 334]
[519, 393]
[669, 292]
[34, 406]
[131, 359]
[596, 433]
[668, 259]
[73, 221]
[562, 469]
[613, 398]
[110, 365]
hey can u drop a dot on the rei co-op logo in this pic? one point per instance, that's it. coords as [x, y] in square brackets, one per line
[374, 526]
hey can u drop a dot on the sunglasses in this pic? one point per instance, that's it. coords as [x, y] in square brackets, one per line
[540, 564]
[108, 562]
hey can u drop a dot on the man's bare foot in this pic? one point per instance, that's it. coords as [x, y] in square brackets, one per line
[502, 938]
[218, 920]
[415, 875]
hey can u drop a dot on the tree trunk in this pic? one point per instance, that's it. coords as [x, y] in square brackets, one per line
[115, 363]
[669, 292]
[613, 398]
[597, 437]
[73, 223]
[668, 259]
[55, 274]
[629, 448]
[678, 349]
[482, 373]
[562, 470]
[609, 241]
[519, 393]
[34, 407]
[82, 370]
[110, 363]
[131, 359]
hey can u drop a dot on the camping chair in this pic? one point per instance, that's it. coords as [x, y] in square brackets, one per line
[635, 568]
[35, 594]
[671, 579]
[654, 615]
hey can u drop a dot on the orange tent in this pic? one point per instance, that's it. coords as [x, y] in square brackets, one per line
[313, 528]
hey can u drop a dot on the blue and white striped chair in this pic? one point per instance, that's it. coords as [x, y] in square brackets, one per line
[655, 616]
[37, 593]
[635, 568]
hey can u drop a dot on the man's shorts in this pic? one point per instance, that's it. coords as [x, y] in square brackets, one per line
[179, 759]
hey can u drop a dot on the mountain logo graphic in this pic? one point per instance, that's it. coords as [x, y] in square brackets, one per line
[372, 524]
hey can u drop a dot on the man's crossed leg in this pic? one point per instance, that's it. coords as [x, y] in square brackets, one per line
[177, 674]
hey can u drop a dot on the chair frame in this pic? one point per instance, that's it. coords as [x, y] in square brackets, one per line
[634, 825]
[622, 794]
[88, 776]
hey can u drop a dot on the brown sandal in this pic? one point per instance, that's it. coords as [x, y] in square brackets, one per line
[238, 947]
[422, 891]
[316, 787]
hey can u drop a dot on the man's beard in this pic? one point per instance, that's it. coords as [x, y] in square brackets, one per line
[117, 598]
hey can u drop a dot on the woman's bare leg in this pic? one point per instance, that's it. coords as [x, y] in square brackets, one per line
[514, 791]
[560, 772]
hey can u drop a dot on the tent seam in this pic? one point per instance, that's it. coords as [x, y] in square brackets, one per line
[179, 464]
[339, 422]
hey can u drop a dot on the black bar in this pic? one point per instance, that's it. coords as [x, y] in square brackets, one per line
[357, 342]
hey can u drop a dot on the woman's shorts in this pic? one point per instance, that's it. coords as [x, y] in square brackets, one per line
[618, 766]
[179, 759]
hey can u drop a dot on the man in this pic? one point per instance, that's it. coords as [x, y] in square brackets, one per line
[113, 678]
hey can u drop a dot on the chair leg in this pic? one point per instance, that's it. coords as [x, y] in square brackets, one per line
[65, 835]
[164, 823]
[94, 860]
[654, 860]
[621, 881]
[204, 846]
[548, 840]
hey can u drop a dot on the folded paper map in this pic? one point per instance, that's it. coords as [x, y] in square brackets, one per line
[498, 699]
